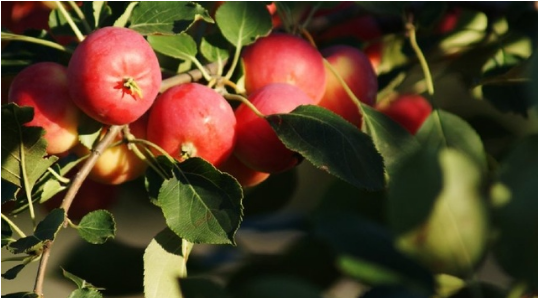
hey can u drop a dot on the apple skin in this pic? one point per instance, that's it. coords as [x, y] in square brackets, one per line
[356, 70]
[18, 16]
[118, 164]
[99, 69]
[409, 110]
[192, 120]
[257, 144]
[44, 86]
[246, 176]
[284, 58]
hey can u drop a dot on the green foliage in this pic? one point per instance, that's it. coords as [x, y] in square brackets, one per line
[97, 227]
[241, 23]
[214, 48]
[167, 18]
[180, 46]
[331, 144]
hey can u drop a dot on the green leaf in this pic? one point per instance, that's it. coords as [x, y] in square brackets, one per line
[178, 46]
[45, 231]
[242, 23]
[164, 265]
[453, 239]
[85, 293]
[126, 15]
[442, 129]
[6, 233]
[515, 209]
[167, 18]
[89, 131]
[332, 144]
[22, 145]
[198, 287]
[214, 48]
[13, 272]
[50, 189]
[97, 227]
[390, 138]
[21, 295]
[410, 204]
[201, 204]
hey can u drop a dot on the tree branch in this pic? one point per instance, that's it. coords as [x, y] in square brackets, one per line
[190, 76]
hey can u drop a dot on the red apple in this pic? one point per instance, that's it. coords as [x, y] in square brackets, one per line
[114, 75]
[192, 120]
[356, 70]
[257, 144]
[246, 176]
[284, 58]
[118, 164]
[18, 16]
[409, 110]
[44, 86]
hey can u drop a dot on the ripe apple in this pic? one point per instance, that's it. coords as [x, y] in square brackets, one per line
[91, 196]
[192, 120]
[246, 176]
[44, 86]
[118, 164]
[18, 16]
[356, 70]
[409, 110]
[257, 144]
[114, 75]
[284, 58]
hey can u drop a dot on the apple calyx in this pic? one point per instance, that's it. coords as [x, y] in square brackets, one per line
[130, 86]
[187, 150]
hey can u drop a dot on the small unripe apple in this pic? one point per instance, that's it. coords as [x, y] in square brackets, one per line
[118, 164]
[44, 86]
[114, 75]
[409, 110]
[257, 144]
[246, 176]
[192, 120]
[284, 58]
[357, 72]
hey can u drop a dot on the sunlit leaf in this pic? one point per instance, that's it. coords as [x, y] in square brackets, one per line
[178, 46]
[214, 48]
[201, 204]
[332, 144]
[97, 227]
[242, 23]
[166, 17]
[164, 265]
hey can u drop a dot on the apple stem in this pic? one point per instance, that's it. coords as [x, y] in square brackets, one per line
[81, 15]
[70, 21]
[308, 37]
[13, 226]
[43, 42]
[233, 65]
[410, 28]
[344, 85]
[190, 76]
[245, 101]
[58, 176]
[149, 159]
[130, 84]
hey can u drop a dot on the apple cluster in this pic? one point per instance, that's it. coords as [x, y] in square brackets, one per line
[114, 78]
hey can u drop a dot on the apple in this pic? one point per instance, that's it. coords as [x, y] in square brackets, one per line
[257, 144]
[91, 196]
[18, 16]
[192, 120]
[118, 164]
[44, 86]
[284, 58]
[114, 75]
[357, 72]
[409, 110]
[246, 176]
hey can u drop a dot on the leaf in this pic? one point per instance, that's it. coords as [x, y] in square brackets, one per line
[390, 138]
[97, 227]
[178, 46]
[242, 23]
[13, 272]
[366, 252]
[198, 287]
[164, 265]
[50, 189]
[89, 131]
[409, 204]
[59, 26]
[126, 15]
[167, 18]
[443, 129]
[201, 204]
[332, 144]
[454, 237]
[6, 233]
[45, 231]
[22, 144]
[515, 211]
[85, 293]
[21, 295]
[214, 48]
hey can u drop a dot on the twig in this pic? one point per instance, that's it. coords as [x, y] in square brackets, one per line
[70, 21]
[81, 15]
[190, 76]
[245, 101]
[43, 42]
[68, 199]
